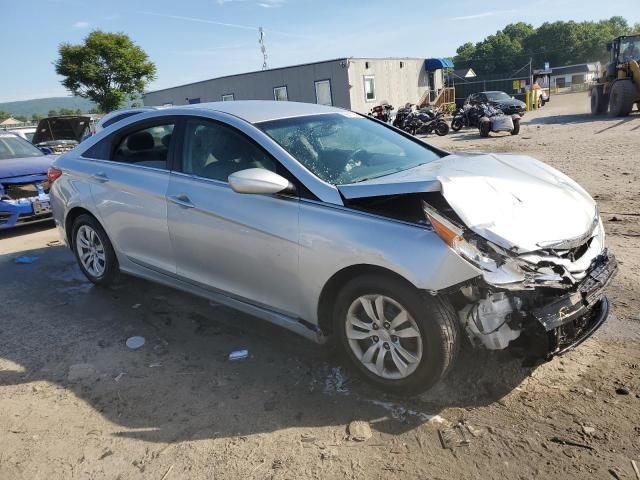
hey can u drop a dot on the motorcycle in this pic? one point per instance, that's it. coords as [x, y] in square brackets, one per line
[467, 116]
[421, 122]
[382, 112]
[494, 120]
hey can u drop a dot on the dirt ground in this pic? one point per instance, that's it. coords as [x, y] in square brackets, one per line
[75, 402]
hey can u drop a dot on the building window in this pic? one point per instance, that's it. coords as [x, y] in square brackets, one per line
[228, 97]
[280, 94]
[369, 88]
[366, 64]
[193, 101]
[401, 64]
[323, 92]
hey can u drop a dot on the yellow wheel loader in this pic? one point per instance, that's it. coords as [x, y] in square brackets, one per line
[618, 87]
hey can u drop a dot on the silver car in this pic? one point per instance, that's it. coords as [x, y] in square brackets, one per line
[330, 223]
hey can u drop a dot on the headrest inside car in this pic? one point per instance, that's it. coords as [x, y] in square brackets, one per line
[140, 141]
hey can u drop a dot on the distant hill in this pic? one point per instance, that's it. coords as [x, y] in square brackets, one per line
[44, 105]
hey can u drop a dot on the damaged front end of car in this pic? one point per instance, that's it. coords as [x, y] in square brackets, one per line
[548, 300]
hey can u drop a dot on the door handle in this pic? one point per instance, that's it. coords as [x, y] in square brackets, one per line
[182, 200]
[100, 177]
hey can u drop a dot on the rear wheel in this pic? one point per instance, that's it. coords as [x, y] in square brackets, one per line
[622, 98]
[598, 101]
[484, 128]
[93, 251]
[399, 339]
[516, 126]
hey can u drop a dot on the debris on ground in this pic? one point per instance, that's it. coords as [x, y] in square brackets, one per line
[119, 376]
[359, 431]
[54, 243]
[571, 443]
[453, 437]
[622, 391]
[328, 454]
[80, 371]
[24, 259]
[238, 354]
[588, 430]
[634, 465]
[135, 342]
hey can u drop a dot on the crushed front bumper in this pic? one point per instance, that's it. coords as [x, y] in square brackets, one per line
[24, 211]
[572, 318]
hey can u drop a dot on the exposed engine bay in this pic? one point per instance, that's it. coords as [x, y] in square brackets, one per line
[552, 294]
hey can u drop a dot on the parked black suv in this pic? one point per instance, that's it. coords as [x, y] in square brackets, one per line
[501, 100]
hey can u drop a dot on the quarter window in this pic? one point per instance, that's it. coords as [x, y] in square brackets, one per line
[148, 147]
[369, 88]
[280, 94]
[213, 150]
[323, 92]
[228, 97]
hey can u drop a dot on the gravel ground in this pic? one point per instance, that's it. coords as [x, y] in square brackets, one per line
[75, 402]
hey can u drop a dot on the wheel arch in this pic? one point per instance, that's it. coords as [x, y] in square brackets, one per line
[72, 214]
[332, 287]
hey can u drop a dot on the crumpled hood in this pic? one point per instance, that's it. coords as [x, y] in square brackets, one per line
[514, 201]
[21, 167]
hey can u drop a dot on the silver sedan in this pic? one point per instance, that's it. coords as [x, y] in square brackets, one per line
[330, 223]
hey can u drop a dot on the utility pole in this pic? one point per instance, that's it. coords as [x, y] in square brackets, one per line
[262, 49]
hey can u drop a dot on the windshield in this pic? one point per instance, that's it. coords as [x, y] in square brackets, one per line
[16, 147]
[342, 148]
[497, 96]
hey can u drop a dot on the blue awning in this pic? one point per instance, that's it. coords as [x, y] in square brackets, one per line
[431, 64]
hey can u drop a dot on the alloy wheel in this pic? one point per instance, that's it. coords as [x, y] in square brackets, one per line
[91, 251]
[383, 336]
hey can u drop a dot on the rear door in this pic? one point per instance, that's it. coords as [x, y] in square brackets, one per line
[243, 245]
[129, 188]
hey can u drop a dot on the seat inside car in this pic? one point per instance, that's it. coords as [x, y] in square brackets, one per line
[141, 150]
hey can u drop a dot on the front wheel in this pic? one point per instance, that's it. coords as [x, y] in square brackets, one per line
[398, 338]
[484, 128]
[456, 124]
[93, 251]
[442, 129]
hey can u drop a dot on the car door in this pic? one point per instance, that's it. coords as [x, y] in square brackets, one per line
[243, 245]
[129, 189]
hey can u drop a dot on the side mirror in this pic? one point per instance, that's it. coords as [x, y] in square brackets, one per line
[258, 180]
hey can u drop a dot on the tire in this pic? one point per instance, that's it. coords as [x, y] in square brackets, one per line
[542, 102]
[442, 129]
[102, 268]
[599, 102]
[484, 128]
[456, 124]
[432, 320]
[621, 98]
[516, 127]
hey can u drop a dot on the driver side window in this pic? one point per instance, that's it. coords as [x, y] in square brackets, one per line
[213, 150]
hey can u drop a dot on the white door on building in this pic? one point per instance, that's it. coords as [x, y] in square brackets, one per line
[323, 92]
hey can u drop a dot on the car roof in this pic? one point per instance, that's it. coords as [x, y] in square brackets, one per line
[256, 111]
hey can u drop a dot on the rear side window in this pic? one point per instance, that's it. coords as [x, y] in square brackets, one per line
[148, 147]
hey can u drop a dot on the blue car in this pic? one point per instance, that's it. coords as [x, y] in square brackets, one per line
[24, 186]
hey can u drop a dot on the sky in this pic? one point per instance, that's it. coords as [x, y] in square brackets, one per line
[191, 40]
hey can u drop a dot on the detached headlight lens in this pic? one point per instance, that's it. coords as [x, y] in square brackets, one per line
[452, 235]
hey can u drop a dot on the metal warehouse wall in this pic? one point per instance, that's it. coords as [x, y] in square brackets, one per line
[393, 83]
[299, 81]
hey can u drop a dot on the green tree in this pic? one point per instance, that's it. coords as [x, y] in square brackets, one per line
[559, 43]
[21, 118]
[52, 113]
[4, 115]
[106, 68]
[36, 117]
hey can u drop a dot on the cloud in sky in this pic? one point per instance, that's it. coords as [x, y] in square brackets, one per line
[81, 24]
[492, 13]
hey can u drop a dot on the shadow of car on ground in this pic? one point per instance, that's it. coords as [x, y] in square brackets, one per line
[180, 385]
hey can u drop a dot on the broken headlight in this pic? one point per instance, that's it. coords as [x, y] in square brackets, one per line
[453, 236]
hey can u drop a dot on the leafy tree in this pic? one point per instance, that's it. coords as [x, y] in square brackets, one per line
[21, 118]
[107, 68]
[52, 113]
[4, 115]
[36, 117]
[559, 43]
[636, 28]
